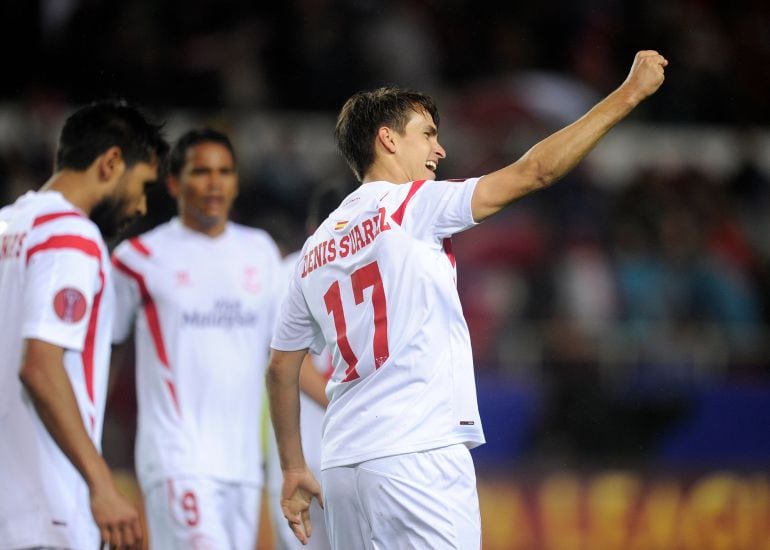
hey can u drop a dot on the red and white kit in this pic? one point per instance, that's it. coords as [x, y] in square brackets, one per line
[377, 284]
[55, 287]
[203, 311]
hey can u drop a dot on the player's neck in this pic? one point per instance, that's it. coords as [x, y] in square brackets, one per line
[212, 230]
[385, 172]
[75, 189]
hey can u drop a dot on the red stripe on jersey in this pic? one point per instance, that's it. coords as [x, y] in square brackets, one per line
[150, 310]
[76, 242]
[153, 322]
[40, 220]
[139, 246]
[172, 391]
[447, 242]
[89, 348]
[398, 215]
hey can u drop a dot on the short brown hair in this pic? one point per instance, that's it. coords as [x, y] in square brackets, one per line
[366, 112]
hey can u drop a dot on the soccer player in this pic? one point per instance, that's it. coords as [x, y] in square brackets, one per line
[376, 283]
[199, 293]
[314, 374]
[56, 317]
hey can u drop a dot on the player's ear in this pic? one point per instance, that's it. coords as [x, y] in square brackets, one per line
[386, 136]
[110, 164]
[173, 186]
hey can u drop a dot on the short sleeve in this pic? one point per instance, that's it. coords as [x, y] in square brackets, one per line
[59, 293]
[127, 300]
[296, 329]
[436, 209]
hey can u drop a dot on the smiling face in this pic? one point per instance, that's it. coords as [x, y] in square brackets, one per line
[206, 187]
[418, 149]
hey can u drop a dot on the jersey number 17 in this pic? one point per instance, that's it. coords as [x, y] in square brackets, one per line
[361, 279]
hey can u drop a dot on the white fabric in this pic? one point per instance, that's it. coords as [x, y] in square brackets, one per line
[55, 287]
[202, 514]
[419, 392]
[203, 311]
[311, 428]
[418, 500]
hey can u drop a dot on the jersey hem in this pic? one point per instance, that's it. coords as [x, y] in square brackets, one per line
[279, 345]
[148, 483]
[382, 453]
[47, 332]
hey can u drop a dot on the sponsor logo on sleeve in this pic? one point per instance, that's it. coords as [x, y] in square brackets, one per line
[70, 305]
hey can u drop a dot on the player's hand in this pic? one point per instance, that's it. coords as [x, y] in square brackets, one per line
[646, 74]
[299, 488]
[117, 519]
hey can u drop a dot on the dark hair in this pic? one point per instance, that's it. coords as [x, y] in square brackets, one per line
[366, 112]
[178, 155]
[323, 201]
[91, 130]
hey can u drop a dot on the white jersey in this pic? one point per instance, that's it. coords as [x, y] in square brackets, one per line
[54, 286]
[203, 310]
[377, 284]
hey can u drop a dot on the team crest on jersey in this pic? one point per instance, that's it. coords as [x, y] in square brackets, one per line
[183, 278]
[251, 280]
[340, 225]
[70, 305]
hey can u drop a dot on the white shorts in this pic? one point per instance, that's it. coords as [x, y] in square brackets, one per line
[202, 514]
[416, 500]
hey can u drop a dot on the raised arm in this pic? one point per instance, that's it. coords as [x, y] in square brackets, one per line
[557, 154]
[43, 376]
[299, 485]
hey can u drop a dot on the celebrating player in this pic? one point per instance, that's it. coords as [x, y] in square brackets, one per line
[199, 293]
[56, 315]
[376, 283]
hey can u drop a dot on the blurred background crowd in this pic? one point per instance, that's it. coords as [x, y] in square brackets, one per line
[620, 317]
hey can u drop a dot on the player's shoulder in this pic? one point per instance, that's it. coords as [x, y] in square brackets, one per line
[419, 188]
[144, 244]
[249, 232]
[253, 236]
[425, 195]
[50, 215]
[5, 211]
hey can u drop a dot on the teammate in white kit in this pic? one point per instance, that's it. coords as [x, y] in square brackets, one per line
[377, 285]
[56, 304]
[199, 293]
[314, 374]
